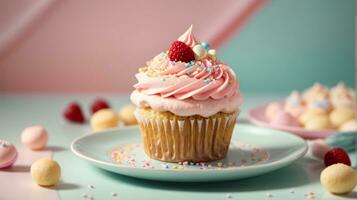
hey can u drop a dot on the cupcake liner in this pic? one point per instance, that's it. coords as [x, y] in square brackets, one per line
[172, 138]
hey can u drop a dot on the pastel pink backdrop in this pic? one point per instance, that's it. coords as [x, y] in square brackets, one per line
[97, 46]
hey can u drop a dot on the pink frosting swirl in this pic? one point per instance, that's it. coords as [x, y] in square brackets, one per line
[203, 86]
[199, 80]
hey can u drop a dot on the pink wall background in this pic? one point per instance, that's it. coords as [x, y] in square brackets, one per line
[97, 46]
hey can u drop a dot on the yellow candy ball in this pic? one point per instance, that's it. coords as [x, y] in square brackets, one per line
[341, 115]
[45, 172]
[126, 114]
[338, 178]
[104, 119]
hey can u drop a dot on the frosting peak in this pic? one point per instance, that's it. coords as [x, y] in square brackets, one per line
[188, 38]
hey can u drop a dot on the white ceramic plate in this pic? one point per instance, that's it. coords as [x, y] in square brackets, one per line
[253, 151]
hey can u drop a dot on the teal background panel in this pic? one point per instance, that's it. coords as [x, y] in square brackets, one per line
[291, 44]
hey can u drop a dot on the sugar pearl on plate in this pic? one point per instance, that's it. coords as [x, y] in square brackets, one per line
[338, 178]
[45, 172]
[8, 154]
[34, 137]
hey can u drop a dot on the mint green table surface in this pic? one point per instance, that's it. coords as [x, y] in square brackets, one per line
[20, 111]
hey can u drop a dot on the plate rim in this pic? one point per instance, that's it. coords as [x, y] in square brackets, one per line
[286, 160]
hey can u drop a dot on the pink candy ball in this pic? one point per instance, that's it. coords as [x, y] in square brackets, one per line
[272, 110]
[284, 119]
[8, 154]
[319, 148]
[34, 137]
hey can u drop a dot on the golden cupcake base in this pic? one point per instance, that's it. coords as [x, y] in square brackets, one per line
[172, 138]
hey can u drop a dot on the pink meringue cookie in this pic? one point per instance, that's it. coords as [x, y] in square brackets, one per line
[320, 104]
[340, 89]
[34, 137]
[318, 148]
[294, 104]
[272, 109]
[8, 154]
[284, 119]
[316, 91]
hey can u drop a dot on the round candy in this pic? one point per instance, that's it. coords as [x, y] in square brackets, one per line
[104, 119]
[212, 54]
[8, 154]
[45, 172]
[126, 114]
[272, 109]
[341, 115]
[319, 148]
[338, 178]
[284, 119]
[34, 137]
[200, 51]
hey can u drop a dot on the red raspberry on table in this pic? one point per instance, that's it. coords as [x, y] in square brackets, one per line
[98, 105]
[179, 51]
[73, 113]
[337, 155]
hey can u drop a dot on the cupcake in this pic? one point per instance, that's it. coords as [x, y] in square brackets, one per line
[187, 103]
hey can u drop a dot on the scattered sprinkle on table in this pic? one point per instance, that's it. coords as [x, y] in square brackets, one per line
[229, 196]
[114, 194]
[91, 186]
[84, 195]
[310, 195]
[269, 195]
